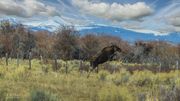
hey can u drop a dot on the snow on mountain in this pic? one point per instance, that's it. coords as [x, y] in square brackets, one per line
[54, 23]
[131, 36]
[11, 20]
[51, 24]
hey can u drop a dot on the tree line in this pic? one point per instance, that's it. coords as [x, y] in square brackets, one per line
[17, 41]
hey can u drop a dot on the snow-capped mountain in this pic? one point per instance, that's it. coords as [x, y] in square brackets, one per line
[131, 36]
[51, 24]
[125, 34]
[128, 35]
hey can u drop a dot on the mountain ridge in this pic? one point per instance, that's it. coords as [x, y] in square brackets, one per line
[52, 25]
[132, 36]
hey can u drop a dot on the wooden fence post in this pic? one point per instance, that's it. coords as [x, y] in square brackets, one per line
[177, 65]
[17, 59]
[160, 66]
[55, 62]
[30, 58]
[6, 59]
[80, 67]
[41, 59]
[41, 62]
[66, 67]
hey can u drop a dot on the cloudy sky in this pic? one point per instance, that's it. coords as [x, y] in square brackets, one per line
[156, 16]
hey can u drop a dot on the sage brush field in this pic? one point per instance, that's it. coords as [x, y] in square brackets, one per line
[41, 83]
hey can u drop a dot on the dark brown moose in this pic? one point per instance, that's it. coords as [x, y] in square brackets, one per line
[105, 55]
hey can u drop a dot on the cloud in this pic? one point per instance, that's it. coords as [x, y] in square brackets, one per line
[174, 22]
[174, 19]
[171, 16]
[138, 26]
[26, 8]
[164, 21]
[114, 11]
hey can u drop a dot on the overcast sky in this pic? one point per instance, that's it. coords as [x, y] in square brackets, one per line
[157, 16]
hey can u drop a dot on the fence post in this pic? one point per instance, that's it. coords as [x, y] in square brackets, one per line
[6, 59]
[80, 67]
[41, 62]
[30, 57]
[41, 59]
[177, 65]
[160, 65]
[17, 59]
[66, 67]
[55, 62]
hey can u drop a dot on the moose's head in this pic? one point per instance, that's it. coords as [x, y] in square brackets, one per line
[116, 48]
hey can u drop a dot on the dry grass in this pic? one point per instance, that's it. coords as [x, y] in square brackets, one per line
[21, 84]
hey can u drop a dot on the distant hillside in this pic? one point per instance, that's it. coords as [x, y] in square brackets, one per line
[129, 35]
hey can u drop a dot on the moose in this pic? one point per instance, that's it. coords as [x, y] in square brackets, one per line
[105, 55]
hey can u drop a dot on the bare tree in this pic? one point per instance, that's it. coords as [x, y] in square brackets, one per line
[90, 45]
[66, 44]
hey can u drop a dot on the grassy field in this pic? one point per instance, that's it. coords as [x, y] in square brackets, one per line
[41, 83]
